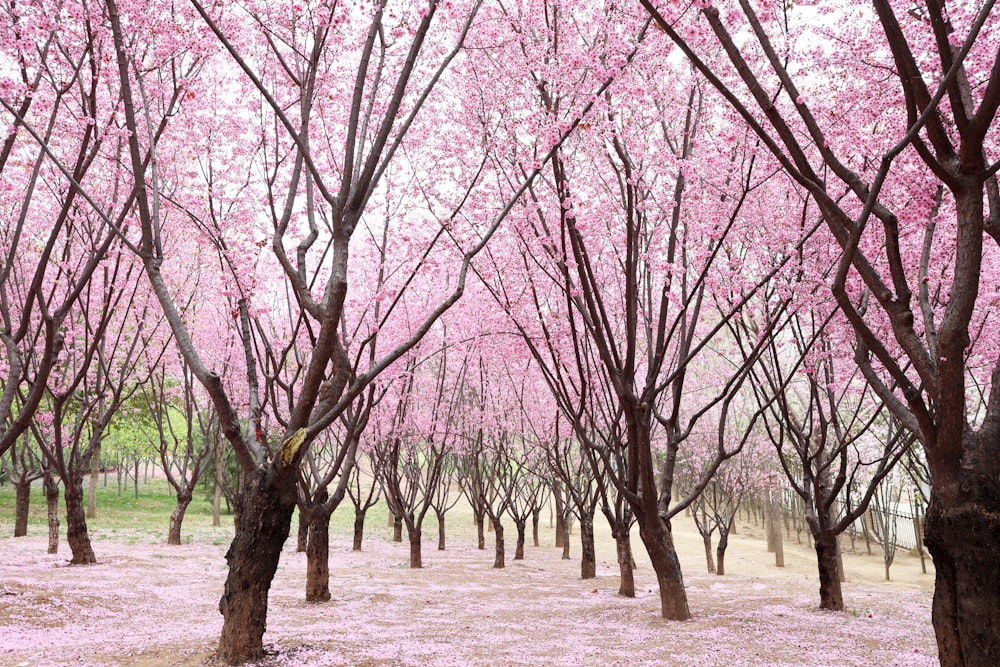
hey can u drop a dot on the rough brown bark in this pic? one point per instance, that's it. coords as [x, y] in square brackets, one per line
[22, 504]
[318, 559]
[302, 536]
[831, 596]
[498, 560]
[359, 529]
[624, 547]
[588, 553]
[265, 516]
[709, 561]
[51, 486]
[440, 518]
[397, 529]
[95, 472]
[535, 515]
[177, 518]
[480, 532]
[416, 557]
[76, 523]
[720, 552]
[521, 535]
[658, 540]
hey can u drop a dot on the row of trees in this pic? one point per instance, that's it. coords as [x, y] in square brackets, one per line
[604, 237]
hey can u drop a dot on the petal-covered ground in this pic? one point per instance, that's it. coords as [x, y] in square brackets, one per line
[148, 604]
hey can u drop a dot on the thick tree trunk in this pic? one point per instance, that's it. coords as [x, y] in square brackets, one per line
[962, 535]
[440, 518]
[177, 518]
[51, 487]
[22, 504]
[302, 536]
[720, 552]
[588, 553]
[498, 560]
[76, 523]
[706, 539]
[359, 528]
[624, 547]
[658, 540]
[831, 596]
[95, 473]
[264, 517]
[318, 559]
[535, 515]
[522, 528]
[416, 557]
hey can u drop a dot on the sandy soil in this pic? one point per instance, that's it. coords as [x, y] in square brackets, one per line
[147, 604]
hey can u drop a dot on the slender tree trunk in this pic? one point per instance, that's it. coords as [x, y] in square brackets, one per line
[658, 540]
[521, 534]
[177, 517]
[440, 518]
[720, 551]
[302, 535]
[22, 504]
[562, 527]
[480, 532]
[831, 596]
[220, 461]
[318, 558]
[624, 547]
[51, 486]
[359, 528]
[264, 516]
[95, 473]
[588, 552]
[498, 560]
[535, 516]
[706, 539]
[76, 522]
[560, 521]
[397, 529]
[416, 557]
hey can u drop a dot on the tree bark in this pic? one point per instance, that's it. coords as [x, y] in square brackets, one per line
[624, 547]
[440, 518]
[397, 529]
[521, 535]
[562, 527]
[588, 552]
[302, 537]
[318, 559]
[416, 557]
[76, 523]
[95, 473]
[359, 528]
[706, 539]
[51, 486]
[831, 596]
[658, 540]
[480, 532]
[535, 516]
[22, 504]
[264, 516]
[498, 560]
[177, 518]
[720, 552]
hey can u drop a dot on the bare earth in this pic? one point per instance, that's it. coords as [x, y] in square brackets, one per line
[147, 604]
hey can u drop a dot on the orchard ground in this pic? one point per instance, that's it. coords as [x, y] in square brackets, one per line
[148, 604]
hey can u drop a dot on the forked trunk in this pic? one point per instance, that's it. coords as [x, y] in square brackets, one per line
[658, 540]
[624, 547]
[831, 596]
[440, 518]
[318, 559]
[265, 516]
[76, 523]
[416, 557]
[51, 487]
[22, 504]
[498, 560]
[177, 518]
[963, 537]
[706, 539]
[521, 532]
[588, 553]
[720, 552]
[359, 528]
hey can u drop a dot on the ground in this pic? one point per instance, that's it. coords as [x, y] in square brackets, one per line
[147, 604]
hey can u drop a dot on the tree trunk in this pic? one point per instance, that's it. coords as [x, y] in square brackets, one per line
[440, 518]
[560, 522]
[498, 560]
[177, 518]
[95, 473]
[521, 533]
[416, 557]
[830, 595]
[220, 461]
[318, 558]
[706, 539]
[624, 547]
[562, 526]
[302, 537]
[22, 504]
[397, 529]
[264, 517]
[480, 532]
[51, 486]
[588, 552]
[535, 515]
[76, 523]
[720, 552]
[359, 528]
[658, 540]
